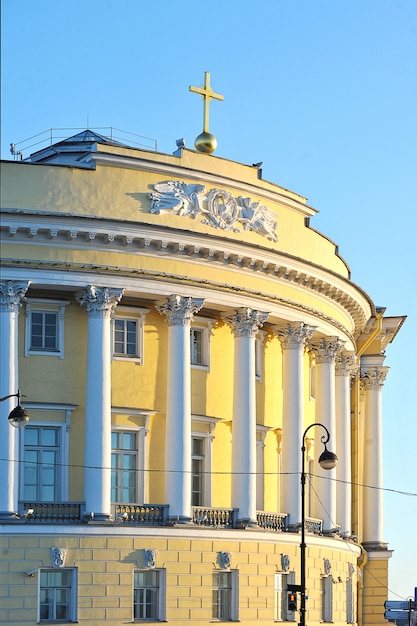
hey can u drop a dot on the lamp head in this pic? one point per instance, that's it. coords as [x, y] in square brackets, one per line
[19, 417]
[327, 460]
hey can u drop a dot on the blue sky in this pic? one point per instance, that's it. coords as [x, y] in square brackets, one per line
[324, 92]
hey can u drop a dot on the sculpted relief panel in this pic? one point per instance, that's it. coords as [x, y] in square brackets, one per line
[216, 207]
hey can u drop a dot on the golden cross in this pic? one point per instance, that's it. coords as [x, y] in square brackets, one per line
[208, 94]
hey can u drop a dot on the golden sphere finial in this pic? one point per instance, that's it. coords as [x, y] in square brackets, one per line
[206, 143]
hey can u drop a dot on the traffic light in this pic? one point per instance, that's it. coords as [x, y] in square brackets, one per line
[291, 601]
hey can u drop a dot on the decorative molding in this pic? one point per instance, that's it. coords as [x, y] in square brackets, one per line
[225, 560]
[245, 322]
[179, 310]
[58, 557]
[327, 349]
[99, 301]
[351, 570]
[373, 377]
[346, 364]
[12, 294]
[149, 558]
[219, 208]
[294, 335]
[327, 566]
[285, 562]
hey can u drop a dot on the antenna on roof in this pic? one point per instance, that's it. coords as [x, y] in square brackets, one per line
[18, 154]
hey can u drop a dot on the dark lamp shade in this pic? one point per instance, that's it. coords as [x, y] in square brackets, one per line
[327, 460]
[19, 417]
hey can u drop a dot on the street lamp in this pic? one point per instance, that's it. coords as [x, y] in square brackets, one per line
[18, 417]
[327, 461]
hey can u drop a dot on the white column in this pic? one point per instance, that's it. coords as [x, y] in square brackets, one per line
[293, 337]
[345, 367]
[324, 498]
[244, 323]
[11, 294]
[179, 312]
[372, 381]
[99, 303]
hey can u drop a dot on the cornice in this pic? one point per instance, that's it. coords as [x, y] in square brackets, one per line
[114, 235]
[169, 278]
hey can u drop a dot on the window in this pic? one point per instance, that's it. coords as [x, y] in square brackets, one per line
[200, 342]
[57, 595]
[128, 333]
[124, 460]
[281, 611]
[45, 327]
[260, 446]
[259, 353]
[197, 471]
[225, 596]
[41, 464]
[313, 381]
[148, 595]
[350, 602]
[327, 598]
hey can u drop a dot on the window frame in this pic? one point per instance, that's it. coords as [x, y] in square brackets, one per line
[327, 599]
[128, 313]
[45, 305]
[202, 427]
[121, 452]
[261, 432]
[351, 611]
[233, 608]
[205, 326]
[73, 595]
[161, 595]
[259, 354]
[281, 613]
[64, 429]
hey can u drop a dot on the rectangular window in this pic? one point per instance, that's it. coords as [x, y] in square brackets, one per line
[41, 464]
[225, 596]
[350, 602]
[282, 580]
[128, 333]
[125, 337]
[327, 598]
[45, 327]
[124, 459]
[148, 592]
[197, 347]
[200, 342]
[197, 471]
[44, 331]
[57, 595]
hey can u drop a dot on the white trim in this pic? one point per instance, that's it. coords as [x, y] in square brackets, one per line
[208, 437]
[137, 314]
[45, 305]
[205, 326]
[73, 594]
[64, 427]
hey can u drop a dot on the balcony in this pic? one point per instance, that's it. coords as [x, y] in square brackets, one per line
[155, 515]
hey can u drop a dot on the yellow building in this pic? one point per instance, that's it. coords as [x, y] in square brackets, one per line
[176, 326]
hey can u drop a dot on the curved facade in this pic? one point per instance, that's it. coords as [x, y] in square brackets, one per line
[176, 324]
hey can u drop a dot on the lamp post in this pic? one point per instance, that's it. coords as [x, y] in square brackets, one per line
[327, 461]
[18, 417]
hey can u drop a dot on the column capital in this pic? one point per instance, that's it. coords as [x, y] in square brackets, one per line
[179, 310]
[373, 377]
[346, 364]
[326, 350]
[11, 294]
[99, 301]
[294, 335]
[245, 322]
